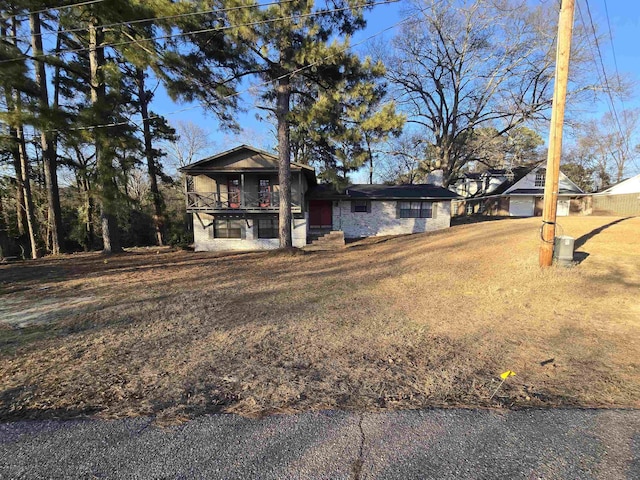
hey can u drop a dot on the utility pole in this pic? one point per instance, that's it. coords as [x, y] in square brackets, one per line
[548, 232]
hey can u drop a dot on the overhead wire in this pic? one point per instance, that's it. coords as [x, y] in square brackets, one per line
[197, 32]
[59, 7]
[241, 92]
[151, 19]
[604, 71]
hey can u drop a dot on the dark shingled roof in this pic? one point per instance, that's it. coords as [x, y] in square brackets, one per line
[394, 192]
[382, 192]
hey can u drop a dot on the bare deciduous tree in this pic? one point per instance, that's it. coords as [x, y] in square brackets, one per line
[193, 142]
[463, 65]
[609, 148]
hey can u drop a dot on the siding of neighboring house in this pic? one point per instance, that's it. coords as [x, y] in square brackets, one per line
[204, 241]
[623, 204]
[383, 219]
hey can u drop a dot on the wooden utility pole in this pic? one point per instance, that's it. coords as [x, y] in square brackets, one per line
[565, 27]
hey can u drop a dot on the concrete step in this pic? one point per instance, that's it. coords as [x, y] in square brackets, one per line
[331, 240]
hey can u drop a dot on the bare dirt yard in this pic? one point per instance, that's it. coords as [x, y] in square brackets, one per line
[403, 322]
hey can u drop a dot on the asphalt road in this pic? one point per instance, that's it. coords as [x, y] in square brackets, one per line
[427, 444]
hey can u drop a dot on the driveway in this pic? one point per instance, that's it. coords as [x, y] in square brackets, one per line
[427, 444]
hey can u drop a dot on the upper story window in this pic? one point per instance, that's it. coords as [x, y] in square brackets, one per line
[540, 177]
[416, 209]
[264, 192]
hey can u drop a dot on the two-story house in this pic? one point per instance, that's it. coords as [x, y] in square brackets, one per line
[521, 194]
[234, 198]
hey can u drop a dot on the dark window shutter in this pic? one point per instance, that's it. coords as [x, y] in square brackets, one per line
[434, 209]
[368, 206]
[353, 206]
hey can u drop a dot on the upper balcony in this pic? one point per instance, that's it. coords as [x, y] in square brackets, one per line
[243, 180]
[240, 200]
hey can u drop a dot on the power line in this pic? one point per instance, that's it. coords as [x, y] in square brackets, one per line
[151, 19]
[235, 94]
[604, 72]
[198, 32]
[60, 7]
[613, 48]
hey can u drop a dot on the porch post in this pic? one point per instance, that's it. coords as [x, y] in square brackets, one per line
[186, 190]
[242, 190]
[300, 189]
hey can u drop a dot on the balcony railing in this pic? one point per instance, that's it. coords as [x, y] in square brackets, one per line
[213, 201]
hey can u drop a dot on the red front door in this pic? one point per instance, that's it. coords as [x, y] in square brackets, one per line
[320, 214]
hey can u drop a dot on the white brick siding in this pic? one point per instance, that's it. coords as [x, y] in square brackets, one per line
[204, 243]
[382, 220]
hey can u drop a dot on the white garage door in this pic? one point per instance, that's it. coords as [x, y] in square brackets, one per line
[521, 206]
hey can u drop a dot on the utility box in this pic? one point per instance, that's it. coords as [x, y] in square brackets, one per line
[563, 250]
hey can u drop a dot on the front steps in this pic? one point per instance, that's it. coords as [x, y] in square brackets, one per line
[333, 240]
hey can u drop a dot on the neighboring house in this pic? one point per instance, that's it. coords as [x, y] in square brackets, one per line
[522, 196]
[234, 198]
[473, 184]
[620, 199]
[630, 185]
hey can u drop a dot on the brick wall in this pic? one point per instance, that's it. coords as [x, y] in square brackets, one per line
[204, 243]
[382, 219]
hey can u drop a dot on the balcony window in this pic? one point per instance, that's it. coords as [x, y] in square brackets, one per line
[233, 189]
[264, 193]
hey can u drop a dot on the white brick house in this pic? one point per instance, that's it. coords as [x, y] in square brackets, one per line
[372, 210]
[234, 199]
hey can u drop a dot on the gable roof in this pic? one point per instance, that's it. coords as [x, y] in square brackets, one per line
[630, 185]
[265, 161]
[524, 186]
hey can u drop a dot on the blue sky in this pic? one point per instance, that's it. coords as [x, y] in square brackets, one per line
[624, 17]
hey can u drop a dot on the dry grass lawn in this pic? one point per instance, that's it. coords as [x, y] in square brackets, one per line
[404, 322]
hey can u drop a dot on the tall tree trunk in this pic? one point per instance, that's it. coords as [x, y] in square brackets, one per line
[104, 158]
[283, 91]
[85, 187]
[26, 186]
[366, 138]
[21, 221]
[49, 160]
[20, 205]
[158, 203]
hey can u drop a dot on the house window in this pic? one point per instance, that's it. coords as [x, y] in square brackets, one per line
[416, 209]
[469, 208]
[268, 227]
[227, 228]
[264, 193]
[233, 189]
[540, 177]
[362, 206]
